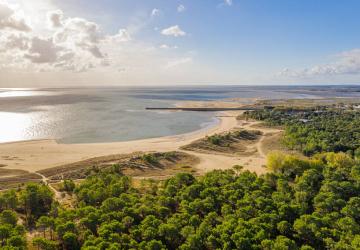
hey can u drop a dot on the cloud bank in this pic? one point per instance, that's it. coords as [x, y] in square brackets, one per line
[12, 19]
[54, 46]
[345, 63]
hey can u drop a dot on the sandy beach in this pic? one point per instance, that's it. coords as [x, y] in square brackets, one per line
[40, 154]
[32, 156]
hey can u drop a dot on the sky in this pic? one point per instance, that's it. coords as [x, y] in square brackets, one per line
[50, 43]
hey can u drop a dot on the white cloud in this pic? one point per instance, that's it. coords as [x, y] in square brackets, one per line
[347, 63]
[58, 45]
[78, 45]
[179, 61]
[173, 31]
[228, 2]
[78, 33]
[155, 12]
[55, 19]
[165, 46]
[181, 8]
[74, 45]
[122, 36]
[43, 54]
[11, 19]
[14, 41]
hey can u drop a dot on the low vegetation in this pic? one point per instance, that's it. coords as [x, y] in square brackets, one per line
[67, 186]
[136, 164]
[234, 142]
[17, 180]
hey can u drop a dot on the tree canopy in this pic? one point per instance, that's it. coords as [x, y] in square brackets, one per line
[303, 204]
[312, 131]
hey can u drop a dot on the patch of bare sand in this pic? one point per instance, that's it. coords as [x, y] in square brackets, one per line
[209, 162]
[254, 162]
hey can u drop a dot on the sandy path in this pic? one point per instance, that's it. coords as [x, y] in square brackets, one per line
[45, 180]
[259, 147]
[266, 132]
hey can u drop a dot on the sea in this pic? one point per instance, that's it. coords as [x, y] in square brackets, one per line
[110, 114]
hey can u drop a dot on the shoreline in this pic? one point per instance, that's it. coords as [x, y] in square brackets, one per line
[35, 155]
[216, 120]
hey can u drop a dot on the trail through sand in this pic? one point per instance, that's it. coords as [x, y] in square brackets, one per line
[46, 182]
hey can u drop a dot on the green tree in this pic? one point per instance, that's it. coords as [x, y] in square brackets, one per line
[9, 200]
[70, 241]
[5, 233]
[17, 242]
[8, 217]
[44, 223]
[44, 244]
[36, 200]
[68, 186]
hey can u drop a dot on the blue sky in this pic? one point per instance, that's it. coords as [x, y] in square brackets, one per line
[230, 42]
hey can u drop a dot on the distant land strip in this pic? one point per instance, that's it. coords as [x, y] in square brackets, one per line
[203, 109]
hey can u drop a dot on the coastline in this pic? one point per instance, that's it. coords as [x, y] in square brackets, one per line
[36, 155]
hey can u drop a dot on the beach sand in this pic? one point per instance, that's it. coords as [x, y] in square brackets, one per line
[40, 154]
[37, 155]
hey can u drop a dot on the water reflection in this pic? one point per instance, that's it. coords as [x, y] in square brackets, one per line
[88, 115]
[14, 126]
[22, 93]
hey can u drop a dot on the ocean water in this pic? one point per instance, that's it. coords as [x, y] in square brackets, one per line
[89, 115]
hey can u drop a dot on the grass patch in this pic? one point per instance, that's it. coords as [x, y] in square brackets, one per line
[136, 164]
[233, 142]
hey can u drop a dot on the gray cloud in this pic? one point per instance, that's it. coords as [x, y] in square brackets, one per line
[55, 18]
[81, 34]
[78, 45]
[15, 41]
[42, 51]
[75, 46]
